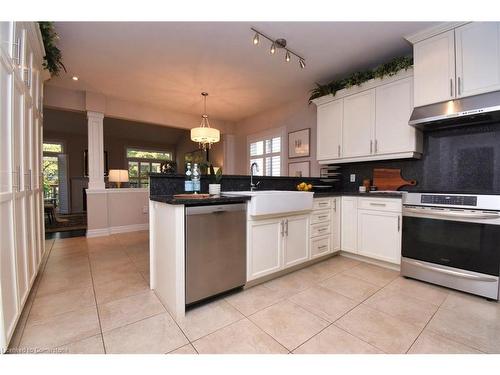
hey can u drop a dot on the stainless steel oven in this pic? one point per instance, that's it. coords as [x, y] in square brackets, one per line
[453, 240]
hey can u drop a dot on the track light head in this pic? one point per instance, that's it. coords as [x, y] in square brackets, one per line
[256, 39]
[273, 48]
[287, 56]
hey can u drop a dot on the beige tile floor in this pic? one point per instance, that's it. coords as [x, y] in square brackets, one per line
[93, 297]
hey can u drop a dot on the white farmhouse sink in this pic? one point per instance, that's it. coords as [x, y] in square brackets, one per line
[274, 202]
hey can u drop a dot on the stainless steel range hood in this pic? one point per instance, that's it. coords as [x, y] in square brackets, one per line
[478, 109]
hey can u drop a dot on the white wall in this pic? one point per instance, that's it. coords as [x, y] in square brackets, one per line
[295, 115]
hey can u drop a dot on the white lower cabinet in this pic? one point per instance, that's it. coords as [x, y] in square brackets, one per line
[379, 235]
[296, 238]
[325, 226]
[264, 247]
[372, 227]
[349, 224]
[275, 244]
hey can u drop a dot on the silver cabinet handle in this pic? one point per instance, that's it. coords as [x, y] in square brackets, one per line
[376, 147]
[322, 204]
[334, 205]
[16, 51]
[399, 223]
[371, 146]
[338, 151]
[459, 86]
[322, 229]
[286, 230]
[451, 214]
[451, 87]
[282, 230]
[322, 216]
[30, 180]
[321, 247]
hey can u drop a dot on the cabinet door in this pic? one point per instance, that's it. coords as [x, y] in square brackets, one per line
[478, 58]
[359, 124]
[349, 224]
[336, 224]
[6, 29]
[393, 110]
[379, 235]
[265, 239]
[434, 69]
[296, 248]
[329, 130]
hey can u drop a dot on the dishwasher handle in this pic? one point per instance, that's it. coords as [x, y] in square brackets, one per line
[215, 209]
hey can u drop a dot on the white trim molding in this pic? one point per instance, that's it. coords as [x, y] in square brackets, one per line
[432, 31]
[115, 230]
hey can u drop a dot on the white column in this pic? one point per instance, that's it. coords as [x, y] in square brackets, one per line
[96, 150]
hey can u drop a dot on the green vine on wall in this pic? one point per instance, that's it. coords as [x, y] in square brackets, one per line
[52, 60]
[355, 79]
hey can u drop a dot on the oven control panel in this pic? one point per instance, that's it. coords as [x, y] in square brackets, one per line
[454, 200]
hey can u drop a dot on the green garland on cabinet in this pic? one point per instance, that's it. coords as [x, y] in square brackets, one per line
[355, 79]
[52, 60]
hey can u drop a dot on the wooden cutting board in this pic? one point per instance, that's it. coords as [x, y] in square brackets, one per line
[192, 196]
[390, 179]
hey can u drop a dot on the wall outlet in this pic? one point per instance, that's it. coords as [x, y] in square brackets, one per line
[353, 178]
[145, 209]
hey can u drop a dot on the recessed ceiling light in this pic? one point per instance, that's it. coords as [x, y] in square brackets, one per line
[74, 78]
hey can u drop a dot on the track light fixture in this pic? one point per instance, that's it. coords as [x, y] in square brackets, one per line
[273, 48]
[278, 44]
[256, 39]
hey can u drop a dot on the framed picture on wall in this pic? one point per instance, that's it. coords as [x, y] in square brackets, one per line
[299, 169]
[298, 143]
[86, 163]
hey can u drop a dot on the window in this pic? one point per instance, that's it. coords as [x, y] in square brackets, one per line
[142, 162]
[266, 152]
[51, 171]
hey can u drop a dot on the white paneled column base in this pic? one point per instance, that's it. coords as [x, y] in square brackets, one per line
[96, 150]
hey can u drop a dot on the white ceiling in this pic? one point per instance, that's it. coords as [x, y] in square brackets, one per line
[168, 64]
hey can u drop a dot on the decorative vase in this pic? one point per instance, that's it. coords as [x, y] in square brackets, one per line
[214, 189]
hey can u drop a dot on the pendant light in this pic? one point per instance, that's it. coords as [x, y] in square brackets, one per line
[204, 134]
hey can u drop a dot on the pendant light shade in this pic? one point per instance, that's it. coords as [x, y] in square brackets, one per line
[204, 134]
[256, 39]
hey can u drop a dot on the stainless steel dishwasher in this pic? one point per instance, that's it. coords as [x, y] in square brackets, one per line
[215, 250]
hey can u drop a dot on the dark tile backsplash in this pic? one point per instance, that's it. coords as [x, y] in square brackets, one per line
[465, 159]
[162, 184]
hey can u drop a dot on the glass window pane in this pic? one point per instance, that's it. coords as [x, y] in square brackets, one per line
[273, 166]
[52, 147]
[148, 154]
[144, 169]
[144, 182]
[133, 183]
[276, 145]
[256, 148]
[260, 164]
[133, 169]
[155, 167]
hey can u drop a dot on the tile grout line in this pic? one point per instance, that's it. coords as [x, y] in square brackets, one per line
[96, 305]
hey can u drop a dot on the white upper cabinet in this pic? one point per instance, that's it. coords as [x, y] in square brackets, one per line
[434, 69]
[359, 124]
[394, 104]
[330, 130]
[368, 122]
[6, 29]
[463, 61]
[478, 58]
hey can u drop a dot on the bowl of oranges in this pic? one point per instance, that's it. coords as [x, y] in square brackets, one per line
[304, 187]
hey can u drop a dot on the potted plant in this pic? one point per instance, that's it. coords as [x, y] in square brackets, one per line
[215, 178]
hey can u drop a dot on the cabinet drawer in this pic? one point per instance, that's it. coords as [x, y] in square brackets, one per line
[320, 229]
[380, 204]
[320, 216]
[321, 245]
[319, 204]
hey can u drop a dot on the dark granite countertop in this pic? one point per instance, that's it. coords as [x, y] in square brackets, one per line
[325, 194]
[200, 202]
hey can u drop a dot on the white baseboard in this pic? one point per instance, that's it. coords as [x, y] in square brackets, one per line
[129, 228]
[115, 230]
[381, 263]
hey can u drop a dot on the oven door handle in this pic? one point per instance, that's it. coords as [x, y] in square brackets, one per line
[454, 273]
[453, 214]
